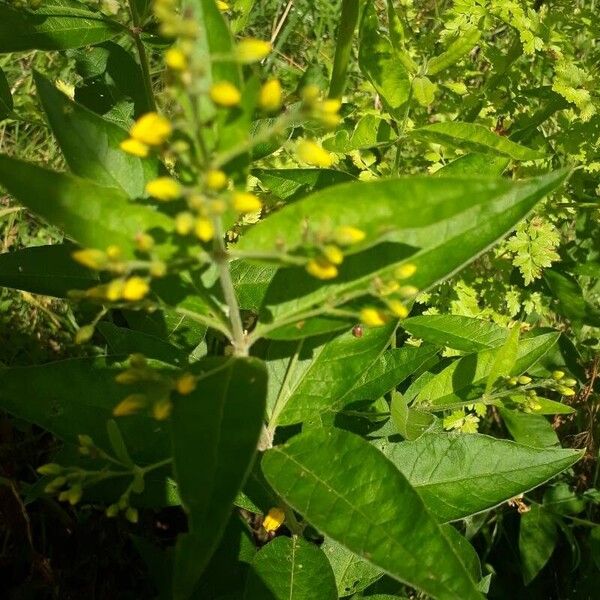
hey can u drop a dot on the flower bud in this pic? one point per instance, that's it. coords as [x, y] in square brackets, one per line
[225, 94]
[244, 202]
[184, 223]
[131, 405]
[313, 154]
[185, 384]
[176, 60]
[373, 317]
[204, 229]
[91, 258]
[524, 379]
[321, 268]
[151, 129]
[215, 180]
[135, 148]
[558, 375]
[333, 254]
[405, 271]
[346, 235]
[135, 288]
[270, 98]
[273, 520]
[50, 469]
[164, 188]
[84, 334]
[251, 50]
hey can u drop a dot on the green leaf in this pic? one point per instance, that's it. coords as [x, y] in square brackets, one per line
[458, 475]
[251, 282]
[410, 422]
[424, 90]
[94, 215]
[475, 164]
[463, 44]
[461, 333]
[438, 224]
[570, 301]
[352, 573]
[290, 184]
[380, 65]
[475, 138]
[538, 535]
[90, 144]
[462, 382]
[56, 25]
[290, 569]
[528, 429]
[348, 490]
[505, 358]
[6, 101]
[370, 131]
[215, 431]
[77, 396]
[46, 270]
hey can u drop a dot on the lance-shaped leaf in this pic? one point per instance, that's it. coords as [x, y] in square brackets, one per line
[475, 164]
[215, 431]
[505, 358]
[56, 25]
[347, 489]
[462, 474]
[461, 333]
[370, 131]
[90, 144]
[456, 50]
[463, 381]
[290, 569]
[538, 535]
[93, 215]
[476, 138]
[47, 270]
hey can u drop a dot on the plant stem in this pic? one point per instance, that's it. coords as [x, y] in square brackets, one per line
[136, 30]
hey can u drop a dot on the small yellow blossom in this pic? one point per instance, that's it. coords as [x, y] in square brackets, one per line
[387, 288]
[135, 148]
[114, 290]
[244, 202]
[91, 258]
[321, 268]
[151, 129]
[186, 384]
[131, 405]
[162, 409]
[184, 223]
[114, 252]
[225, 94]
[215, 180]
[331, 106]
[398, 309]
[271, 95]
[222, 6]
[205, 230]
[405, 271]
[347, 235]
[313, 154]
[274, 519]
[164, 188]
[333, 254]
[135, 288]
[144, 242]
[373, 317]
[176, 60]
[252, 50]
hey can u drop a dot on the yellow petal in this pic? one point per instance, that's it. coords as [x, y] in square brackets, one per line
[346, 235]
[205, 230]
[176, 60]
[313, 154]
[373, 317]
[225, 94]
[252, 50]
[215, 180]
[321, 268]
[244, 202]
[274, 519]
[151, 129]
[135, 148]
[271, 95]
[164, 188]
[135, 288]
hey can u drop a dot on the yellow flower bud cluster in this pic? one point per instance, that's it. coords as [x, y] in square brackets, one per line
[172, 24]
[67, 482]
[123, 506]
[149, 131]
[130, 289]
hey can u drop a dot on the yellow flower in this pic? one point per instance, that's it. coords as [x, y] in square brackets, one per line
[321, 268]
[135, 288]
[244, 202]
[144, 242]
[205, 230]
[347, 235]
[135, 148]
[331, 106]
[373, 317]
[274, 519]
[186, 384]
[333, 254]
[215, 180]
[88, 257]
[184, 223]
[151, 129]
[164, 188]
[313, 154]
[398, 309]
[176, 60]
[271, 95]
[162, 409]
[252, 50]
[130, 405]
[114, 290]
[114, 252]
[405, 271]
[222, 6]
[225, 94]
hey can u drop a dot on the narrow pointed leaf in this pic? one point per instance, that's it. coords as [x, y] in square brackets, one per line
[463, 44]
[538, 535]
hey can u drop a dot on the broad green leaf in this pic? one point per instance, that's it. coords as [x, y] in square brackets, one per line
[349, 491]
[424, 90]
[410, 422]
[528, 429]
[370, 131]
[505, 358]
[6, 101]
[438, 224]
[289, 184]
[538, 534]
[475, 138]
[56, 25]
[47, 270]
[378, 62]
[465, 550]
[251, 282]
[215, 431]
[352, 573]
[332, 370]
[458, 475]
[475, 164]
[77, 396]
[90, 144]
[464, 43]
[310, 327]
[463, 381]
[461, 333]
[93, 215]
[290, 569]
[570, 300]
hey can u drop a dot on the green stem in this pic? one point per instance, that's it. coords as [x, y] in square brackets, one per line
[142, 55]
